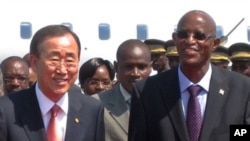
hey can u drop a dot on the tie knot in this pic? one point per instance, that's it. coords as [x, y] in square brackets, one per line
[54, 110]
[194, 90]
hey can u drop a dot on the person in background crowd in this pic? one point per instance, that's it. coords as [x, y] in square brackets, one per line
[159, 59]
[171, 53]
[15, 74]
[220, 57]
[32, 74]
[240, 58]
[133, 64]
[195, 101]
[49, 109]
[96, 75]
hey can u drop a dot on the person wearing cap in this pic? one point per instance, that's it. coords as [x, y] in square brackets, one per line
[172, 54]
[240, 57]
[220, 57]
[159, 59]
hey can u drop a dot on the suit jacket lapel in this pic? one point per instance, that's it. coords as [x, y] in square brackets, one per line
[75, 124]
[31, 117]
[172, 96]
[215, 100]
[118, 109]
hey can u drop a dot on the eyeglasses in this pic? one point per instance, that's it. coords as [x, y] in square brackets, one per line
[59, 63]
[182, 34]
[19, 78]
[98, 82]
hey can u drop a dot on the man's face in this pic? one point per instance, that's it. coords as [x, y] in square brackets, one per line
[134, 66]
[159, 61]
[173, 61]
[221, 64]
[195, 40]
[15, 76]
[241, 66]
[57, 65]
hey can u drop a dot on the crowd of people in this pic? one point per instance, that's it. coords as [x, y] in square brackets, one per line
[121, 100]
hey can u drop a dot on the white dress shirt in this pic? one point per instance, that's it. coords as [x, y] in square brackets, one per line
[202, 96]
[46, 104]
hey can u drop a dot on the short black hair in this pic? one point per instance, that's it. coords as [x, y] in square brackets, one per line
[51, 31]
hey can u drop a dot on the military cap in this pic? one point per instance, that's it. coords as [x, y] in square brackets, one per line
[239, 51]
[220, 54]
[155, 45]
[171, 48]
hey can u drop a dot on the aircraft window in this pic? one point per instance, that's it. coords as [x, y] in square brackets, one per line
[25, 30]
[104, 31]
[219, 31]
[142, 32]
[248, 33]
[69, 25]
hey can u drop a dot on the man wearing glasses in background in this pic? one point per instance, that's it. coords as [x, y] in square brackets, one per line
[195, 101]
[15, 72]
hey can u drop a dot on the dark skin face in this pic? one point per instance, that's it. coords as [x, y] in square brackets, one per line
[16, 76]
[160, 62]
[241, 66]
[193, 50]
[221, 64]
[173, 61]
[133, 65]
[99, 82]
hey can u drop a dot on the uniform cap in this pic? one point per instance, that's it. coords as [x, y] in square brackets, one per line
[220, 54]
[171, 48]
[155, 45]
[239, 51]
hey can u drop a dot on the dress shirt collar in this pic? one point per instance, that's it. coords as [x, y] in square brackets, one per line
[125, 93]
[46, 104]
[204, 82]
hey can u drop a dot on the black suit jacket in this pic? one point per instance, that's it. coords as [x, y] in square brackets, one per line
[21, 120]
[157, 115]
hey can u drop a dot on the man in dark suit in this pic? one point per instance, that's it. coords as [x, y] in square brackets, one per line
[25, 115]
[160, 105]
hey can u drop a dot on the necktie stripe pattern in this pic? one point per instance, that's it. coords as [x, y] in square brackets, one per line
[194, 118]
[53, 133]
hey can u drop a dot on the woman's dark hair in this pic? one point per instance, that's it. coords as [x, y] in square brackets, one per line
[89, 68]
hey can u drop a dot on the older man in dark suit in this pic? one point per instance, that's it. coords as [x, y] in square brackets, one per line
[28, 115]
[165, 107]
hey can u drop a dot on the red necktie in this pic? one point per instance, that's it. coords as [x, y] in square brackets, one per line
[194, 119]
[53, 131]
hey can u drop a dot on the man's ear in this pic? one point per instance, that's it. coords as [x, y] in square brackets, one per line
[216, 43]
[33, 62]
[174, 36]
